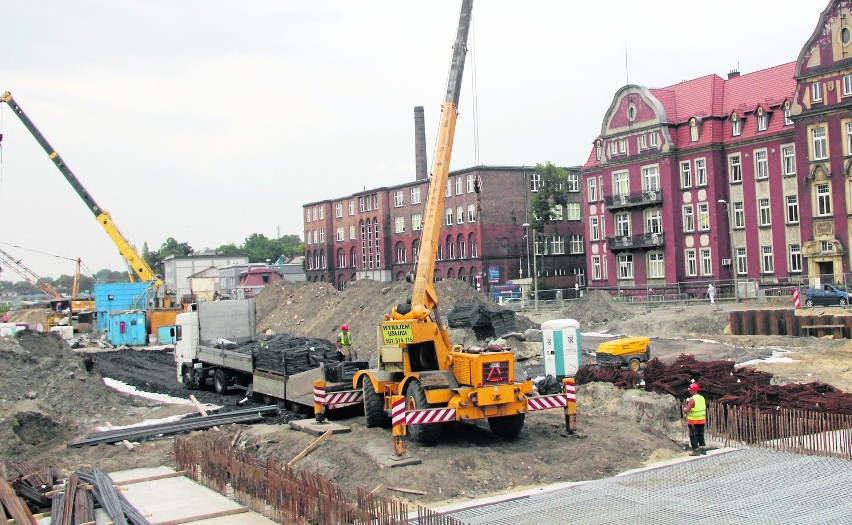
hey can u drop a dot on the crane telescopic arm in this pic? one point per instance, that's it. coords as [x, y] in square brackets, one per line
[140, 267]
[423, 296]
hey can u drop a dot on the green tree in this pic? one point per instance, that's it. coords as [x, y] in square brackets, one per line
[551, 195]
[173, 247]
[228, 249]
[260, 248]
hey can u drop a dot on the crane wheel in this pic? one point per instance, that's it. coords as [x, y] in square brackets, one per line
[415, 399]
[634, 365]
[374, 409]
[220, 381]
[507, 427]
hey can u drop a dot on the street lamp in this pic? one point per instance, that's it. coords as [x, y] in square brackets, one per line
[526, 226]
[728, 213]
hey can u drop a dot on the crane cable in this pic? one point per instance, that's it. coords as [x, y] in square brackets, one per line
[83, 265]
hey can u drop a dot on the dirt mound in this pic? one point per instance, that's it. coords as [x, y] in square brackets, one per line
[318, 309]
[34, 317]
[597, 309]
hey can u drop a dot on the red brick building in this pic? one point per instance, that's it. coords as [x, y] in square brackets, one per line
[744, 178]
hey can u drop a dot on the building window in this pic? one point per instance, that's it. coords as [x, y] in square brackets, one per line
[449, 215]
[339, 233]
[474, 249]
[622, 146]
[400, 253]
[656, 265]
[788, 117]
[338, 210]
[816, 91]
[322, 212]
[351, 232]
[849, 138]
[470, 182]
[449, 188]
[535, 180]
[596, 267]
[654, 221]
[451, 248]
[823, 196]
[691, 263]
[577, 244]
[316, 238]
[459, 185]
[416, 222]
[557, 245]
[742, 261]
[625, 266]
[598, 149]
[762, 122]
[739, 215]
[736, 127]
[693, 130]
[460, 215]
[688, 218]
[820, 148]
[361, 204]
[462, 246]
[706, 262]
[826, 246]
[572, 211]
[315, 214]
[341, 259]
[652, 139]
[556, 213]
[792, 209]
[573, 182]
[643, 142]
[471, 213]
[415, 195]
[593, 189]
[685, 174]
[788, 160]
[321, 235]
[613, 148]
[795, 258]
[541, 245]
[397, 199]
[594, 231]
[307, 215]
[764, 212]
[735, 168]
[701, 172]
[703, 216]
[603, 233]
[651, 178]
[761, 164]
[352, 207]
[767, 264]
[620, 183]
[622, 224]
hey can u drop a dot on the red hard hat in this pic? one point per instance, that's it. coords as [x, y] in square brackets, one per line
[693, 386]
[345, 327]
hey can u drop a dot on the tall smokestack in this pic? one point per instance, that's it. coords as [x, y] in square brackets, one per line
[420, 167]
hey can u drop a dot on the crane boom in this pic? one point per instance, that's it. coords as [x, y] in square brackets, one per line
[30, 276]
[140, 267]
[423, 296]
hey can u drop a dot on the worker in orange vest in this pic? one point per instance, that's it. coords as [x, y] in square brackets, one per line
[696, 413]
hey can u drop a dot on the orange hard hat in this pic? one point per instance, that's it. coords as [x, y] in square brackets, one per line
[693, 387]
[345, 327]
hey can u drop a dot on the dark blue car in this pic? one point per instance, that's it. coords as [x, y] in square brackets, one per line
[826, 295]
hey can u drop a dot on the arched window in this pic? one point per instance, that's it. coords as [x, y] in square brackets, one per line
[400, 252]
[451, 274]
[462, 275]
[353, 257]
[451, 249]
[341, 283]
[415, 250]
[341, 258]
[322, 259]
[400, 276]
[461, 246]
[474, 249]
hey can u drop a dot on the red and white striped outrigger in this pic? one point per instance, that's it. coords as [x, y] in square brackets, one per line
[324, 400]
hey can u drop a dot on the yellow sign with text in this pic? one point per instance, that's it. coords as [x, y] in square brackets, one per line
[395, 334]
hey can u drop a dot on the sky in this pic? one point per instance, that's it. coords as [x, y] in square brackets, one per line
[208, 121]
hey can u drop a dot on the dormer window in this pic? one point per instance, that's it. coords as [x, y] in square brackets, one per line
[598, 149]
[816, 92]
[788, 118]
[762, 120]
[736, 126]
[693, 129]
[631, 112]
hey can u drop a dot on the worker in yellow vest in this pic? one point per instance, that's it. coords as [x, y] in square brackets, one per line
[344, 343]
[696, 413]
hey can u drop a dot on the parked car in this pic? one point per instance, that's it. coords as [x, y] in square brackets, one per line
[826, 295]
[512, 303]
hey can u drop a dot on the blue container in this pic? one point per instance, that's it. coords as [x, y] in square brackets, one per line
[121, 297]
[127, 328]
[166, 335]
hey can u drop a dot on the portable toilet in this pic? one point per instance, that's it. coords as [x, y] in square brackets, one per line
[127, 328]
[562, 347]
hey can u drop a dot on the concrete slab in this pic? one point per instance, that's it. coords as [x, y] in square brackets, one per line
[399, 461]
[311, 426]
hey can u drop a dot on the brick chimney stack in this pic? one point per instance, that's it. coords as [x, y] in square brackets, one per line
[734, 73]
[420, 167]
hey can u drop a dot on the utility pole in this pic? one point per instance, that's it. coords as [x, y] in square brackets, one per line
[535, 271]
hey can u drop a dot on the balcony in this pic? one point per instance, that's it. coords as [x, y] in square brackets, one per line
[645, 241]
[634, 200]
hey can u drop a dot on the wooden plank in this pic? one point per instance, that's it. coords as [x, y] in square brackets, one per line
[310, 447]
[407, 491]
[200, 409]
[211, 515]
[155, 477]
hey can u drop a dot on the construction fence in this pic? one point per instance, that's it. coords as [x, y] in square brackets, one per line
[287, 495]
[785, 429]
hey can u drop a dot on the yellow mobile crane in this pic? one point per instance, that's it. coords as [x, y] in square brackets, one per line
[416, 358]
[139, 266]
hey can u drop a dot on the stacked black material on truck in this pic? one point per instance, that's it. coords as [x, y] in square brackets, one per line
[289, 354]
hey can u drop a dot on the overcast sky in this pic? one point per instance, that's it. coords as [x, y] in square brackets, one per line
[208, 121]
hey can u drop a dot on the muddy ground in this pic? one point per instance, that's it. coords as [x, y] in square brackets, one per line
[50, 395]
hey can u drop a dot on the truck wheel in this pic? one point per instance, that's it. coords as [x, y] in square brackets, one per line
[416, 400]
[634, 365]
[374, 409]
[507, 427]
[189, 379]
[809, 303]
[220, 381]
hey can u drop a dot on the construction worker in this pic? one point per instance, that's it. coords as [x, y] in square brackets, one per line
[344, 343]
[696, 410]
